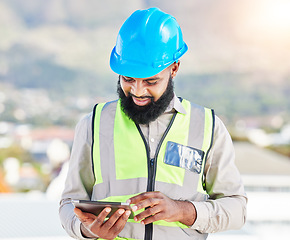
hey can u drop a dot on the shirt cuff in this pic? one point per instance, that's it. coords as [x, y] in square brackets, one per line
[202, 216]
[78, 232]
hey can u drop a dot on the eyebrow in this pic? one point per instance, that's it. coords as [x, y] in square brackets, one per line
[147, 79]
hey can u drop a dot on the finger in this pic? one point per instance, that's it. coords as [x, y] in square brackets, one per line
[100, 219]
[142, 196]
[104, 213]
[154, 218]
[84, 217]
[78, 212]
[149, 202]
[148, 212]
[120, 223]
[113, 219]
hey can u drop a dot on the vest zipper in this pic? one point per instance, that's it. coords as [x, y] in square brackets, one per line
[152, 169]
[151, 161]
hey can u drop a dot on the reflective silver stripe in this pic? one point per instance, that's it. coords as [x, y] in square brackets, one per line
[119, 188]
[133, 231]
[136, 231]
[165, 233]
[185, 192]
[195, 140]
[106, 135]
[137, 185]
[196, 126]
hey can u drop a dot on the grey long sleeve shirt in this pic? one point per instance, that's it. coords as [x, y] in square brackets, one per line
[224, 210]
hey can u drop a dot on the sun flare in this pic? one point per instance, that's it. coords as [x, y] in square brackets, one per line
[273, 15]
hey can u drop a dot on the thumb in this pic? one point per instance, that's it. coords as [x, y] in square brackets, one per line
[84, 217]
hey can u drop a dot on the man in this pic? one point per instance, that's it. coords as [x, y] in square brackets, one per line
[172, 160]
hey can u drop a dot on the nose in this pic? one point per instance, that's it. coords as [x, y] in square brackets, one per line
[138, 89]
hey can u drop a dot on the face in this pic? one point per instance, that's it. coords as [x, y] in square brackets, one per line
[143, 100]
[145, 90]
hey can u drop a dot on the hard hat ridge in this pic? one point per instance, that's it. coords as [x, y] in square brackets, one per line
[148, 42]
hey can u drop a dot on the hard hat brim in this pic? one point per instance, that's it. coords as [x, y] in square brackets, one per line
[138, 69]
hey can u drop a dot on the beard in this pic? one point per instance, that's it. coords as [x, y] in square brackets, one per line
[149, 112]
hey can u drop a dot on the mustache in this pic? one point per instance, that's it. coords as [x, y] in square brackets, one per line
[141, 97]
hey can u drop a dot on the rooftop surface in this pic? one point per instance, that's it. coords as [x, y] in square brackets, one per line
[35, 216]
[251, 159]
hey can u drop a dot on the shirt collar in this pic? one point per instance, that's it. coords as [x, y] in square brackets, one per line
[176, 105]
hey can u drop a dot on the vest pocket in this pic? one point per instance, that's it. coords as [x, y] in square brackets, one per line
[184, 157]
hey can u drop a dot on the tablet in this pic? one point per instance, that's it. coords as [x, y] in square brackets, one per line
[96, 207]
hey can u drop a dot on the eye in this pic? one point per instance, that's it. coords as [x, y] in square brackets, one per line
[129, 80]
[151, 82]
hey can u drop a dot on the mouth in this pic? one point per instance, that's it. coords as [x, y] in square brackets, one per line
[141, 101]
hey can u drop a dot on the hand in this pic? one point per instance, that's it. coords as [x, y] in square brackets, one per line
[96, 226]
[160, 207]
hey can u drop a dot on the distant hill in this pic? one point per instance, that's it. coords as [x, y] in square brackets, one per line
[64, 47]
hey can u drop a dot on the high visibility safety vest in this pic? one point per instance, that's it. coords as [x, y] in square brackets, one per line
[123, 168]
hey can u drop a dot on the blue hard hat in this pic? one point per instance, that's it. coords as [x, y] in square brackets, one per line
[148, 42]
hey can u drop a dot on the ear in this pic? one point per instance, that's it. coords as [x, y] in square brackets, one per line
[175, 68]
